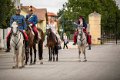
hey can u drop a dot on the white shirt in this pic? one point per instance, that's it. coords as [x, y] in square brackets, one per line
[53, 28]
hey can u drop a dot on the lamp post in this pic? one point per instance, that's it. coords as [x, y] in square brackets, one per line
[116, 23]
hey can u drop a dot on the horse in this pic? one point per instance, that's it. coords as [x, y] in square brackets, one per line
[52, 45]
[17, 46]
[81, 42]
[32, 45]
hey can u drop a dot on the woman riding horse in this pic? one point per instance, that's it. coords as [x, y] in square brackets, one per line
[81, 22]
[53, 26]
[52, 45]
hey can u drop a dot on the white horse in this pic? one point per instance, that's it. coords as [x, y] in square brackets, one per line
[81, 41]
[17, 46]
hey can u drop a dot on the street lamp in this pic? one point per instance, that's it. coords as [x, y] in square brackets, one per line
[116, 23]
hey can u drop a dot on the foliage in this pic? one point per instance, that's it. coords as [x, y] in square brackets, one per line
[107, 8]
[6, 10]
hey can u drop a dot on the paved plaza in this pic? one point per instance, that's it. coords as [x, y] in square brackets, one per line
[103, 64]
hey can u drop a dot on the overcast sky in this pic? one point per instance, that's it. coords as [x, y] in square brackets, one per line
[51, 5]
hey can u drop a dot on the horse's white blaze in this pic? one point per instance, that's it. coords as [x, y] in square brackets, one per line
[17, 46]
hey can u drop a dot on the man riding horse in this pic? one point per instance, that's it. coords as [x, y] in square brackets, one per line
[32, 20]
[22, 26]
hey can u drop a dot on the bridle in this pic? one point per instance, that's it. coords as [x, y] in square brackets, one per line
[16, 36]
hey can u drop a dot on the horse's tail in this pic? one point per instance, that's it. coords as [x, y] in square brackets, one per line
[41, 34]
[56, 49]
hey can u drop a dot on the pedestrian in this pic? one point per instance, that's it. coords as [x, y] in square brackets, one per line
[89, 40]
[66, 41]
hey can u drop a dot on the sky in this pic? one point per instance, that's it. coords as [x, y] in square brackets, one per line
[51, 5]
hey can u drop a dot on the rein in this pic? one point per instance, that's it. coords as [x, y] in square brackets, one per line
[16, 44]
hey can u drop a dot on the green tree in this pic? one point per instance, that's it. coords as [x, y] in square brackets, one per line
[107, 8]
[6, 10]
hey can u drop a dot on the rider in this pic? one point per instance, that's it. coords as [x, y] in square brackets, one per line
[52, 25]
[81, 22]
[32, 20]
[21, 26]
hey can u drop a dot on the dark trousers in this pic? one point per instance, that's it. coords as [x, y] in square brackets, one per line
[89, 46]
[65, 45]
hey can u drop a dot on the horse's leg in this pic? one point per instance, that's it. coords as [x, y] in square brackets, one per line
[56, 52]
[15, 58]
[20, 57]
[30, 55]
[49, 54]
[53, 53]
[79, 53]
[26, 57]
[23, 57]
[84, 52]
[34, 47]
[40, 52]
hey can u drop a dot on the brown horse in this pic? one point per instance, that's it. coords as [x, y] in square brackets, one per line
[32, 45]
[52, 45]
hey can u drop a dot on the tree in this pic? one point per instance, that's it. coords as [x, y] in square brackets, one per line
[107, 8]
[6, 10]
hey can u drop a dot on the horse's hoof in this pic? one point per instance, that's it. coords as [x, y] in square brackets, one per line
[34, 63]
[25, 63]
[85, 61]
[14, 67]
[41, 62]
[49, 60]
[79, 60]
[31, 64]
[21, 67]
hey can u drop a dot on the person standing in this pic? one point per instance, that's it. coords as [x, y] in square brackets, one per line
[89, 40]
[65, 39]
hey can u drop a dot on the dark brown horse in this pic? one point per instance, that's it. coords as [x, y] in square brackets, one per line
[52, 45]
[32, 45]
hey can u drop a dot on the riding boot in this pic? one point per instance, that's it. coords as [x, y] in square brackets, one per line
[8, 46]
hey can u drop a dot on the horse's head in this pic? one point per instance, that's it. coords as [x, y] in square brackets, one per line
[49, 31]
[80, 30]
[14, 27]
